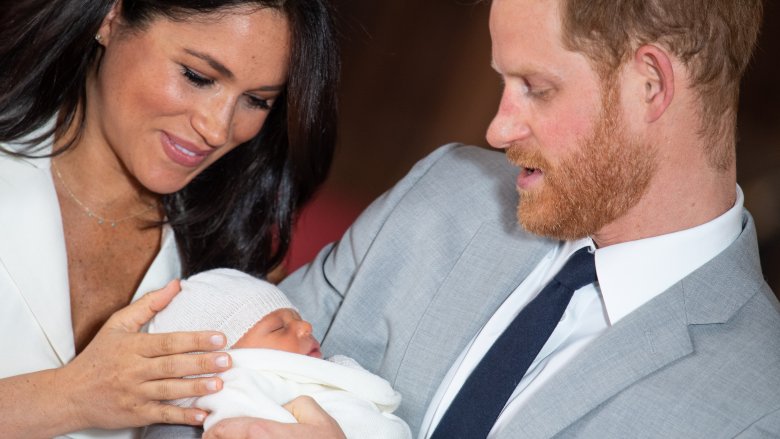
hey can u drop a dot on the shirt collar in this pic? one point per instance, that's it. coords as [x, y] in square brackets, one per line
[632, 273]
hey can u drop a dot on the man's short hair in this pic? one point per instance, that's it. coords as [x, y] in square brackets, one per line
[714, 39]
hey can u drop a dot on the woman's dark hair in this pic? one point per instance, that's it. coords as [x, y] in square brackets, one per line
[237, 213]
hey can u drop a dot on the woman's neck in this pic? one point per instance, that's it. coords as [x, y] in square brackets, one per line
[95, 177]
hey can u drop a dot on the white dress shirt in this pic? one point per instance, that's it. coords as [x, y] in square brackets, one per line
[630, 274]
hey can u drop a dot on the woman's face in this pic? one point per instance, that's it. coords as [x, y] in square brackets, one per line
[170, 99]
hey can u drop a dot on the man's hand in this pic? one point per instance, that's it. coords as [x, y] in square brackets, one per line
[313, 422]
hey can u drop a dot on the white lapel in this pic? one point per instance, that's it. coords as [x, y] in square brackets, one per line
[33, 248]
[166, 265]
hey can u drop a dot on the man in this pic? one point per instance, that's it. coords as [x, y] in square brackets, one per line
[621, 118]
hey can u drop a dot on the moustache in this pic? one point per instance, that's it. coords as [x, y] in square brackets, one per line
[522, 158]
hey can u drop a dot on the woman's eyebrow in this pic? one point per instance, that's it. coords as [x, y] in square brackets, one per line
[216, 65]
[224, 71]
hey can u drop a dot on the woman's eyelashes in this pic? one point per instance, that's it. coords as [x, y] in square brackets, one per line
[196, 78]
[201, 81]
[255, 102]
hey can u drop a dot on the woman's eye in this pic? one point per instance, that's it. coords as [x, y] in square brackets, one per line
[259, 103]
[195, 78]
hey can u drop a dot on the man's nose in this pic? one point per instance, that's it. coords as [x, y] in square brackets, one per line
[510, 123]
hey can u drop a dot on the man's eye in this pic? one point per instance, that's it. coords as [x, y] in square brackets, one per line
[540, 93]
[195, 78]
[536, 92]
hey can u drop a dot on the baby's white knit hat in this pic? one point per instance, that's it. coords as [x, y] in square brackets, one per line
[223, 299]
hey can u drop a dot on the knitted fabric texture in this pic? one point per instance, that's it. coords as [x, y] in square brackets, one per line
[222, 299]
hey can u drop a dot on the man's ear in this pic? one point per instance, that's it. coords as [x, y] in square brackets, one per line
[110, 25]
[654, 66]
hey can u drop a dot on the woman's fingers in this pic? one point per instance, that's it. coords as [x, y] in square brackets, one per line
[161, 413]
[132, 317]
[156, 345]
[128, 374]
[174, 388]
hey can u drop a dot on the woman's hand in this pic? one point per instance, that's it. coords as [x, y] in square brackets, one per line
[122, 376]
[313, 423]
[119, 380]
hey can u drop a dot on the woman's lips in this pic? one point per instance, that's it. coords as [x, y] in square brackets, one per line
[182, 152]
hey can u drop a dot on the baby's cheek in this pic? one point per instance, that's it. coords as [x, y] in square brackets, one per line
[254, 338]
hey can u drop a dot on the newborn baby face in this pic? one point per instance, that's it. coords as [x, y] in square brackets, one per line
[283, 330]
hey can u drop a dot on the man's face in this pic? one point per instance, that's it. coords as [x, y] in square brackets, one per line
[580, 168]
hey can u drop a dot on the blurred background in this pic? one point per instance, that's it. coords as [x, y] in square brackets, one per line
[417, 75]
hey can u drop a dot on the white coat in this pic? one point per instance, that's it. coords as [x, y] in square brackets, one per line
[35, 316]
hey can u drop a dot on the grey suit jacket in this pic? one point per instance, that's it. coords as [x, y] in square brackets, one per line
[427, 264]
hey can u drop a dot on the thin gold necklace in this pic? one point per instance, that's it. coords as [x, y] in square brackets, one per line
[90, 213]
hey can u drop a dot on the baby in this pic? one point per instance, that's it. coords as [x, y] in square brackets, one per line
[276, 358]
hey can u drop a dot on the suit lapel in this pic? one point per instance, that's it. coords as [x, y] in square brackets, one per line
[645, 341]
[33, 248]
[491, 267]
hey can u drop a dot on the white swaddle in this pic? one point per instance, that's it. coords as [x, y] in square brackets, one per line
[262, 380]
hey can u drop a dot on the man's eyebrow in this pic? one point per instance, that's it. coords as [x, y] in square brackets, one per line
[216, 65]
[525, 71]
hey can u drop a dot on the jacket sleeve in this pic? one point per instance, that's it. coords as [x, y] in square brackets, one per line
[318, 288]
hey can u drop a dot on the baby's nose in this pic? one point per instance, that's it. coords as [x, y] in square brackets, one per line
[304, 329]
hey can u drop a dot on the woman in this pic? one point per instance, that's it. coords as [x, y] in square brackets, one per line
[144, 140]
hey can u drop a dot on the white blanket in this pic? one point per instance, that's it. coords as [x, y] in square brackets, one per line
[262, 380]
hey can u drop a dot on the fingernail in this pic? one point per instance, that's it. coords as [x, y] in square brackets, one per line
[222, 361]
[211, 385]
[200, 417]
[218, 340]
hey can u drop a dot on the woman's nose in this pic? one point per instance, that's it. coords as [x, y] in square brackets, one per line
[213, 121]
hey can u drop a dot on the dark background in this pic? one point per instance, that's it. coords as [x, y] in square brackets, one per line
[417, 74]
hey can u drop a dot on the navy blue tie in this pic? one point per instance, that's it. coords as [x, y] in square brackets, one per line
[487, 390]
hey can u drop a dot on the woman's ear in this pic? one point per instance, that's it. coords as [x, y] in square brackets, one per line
[109, 26]
[654, 65]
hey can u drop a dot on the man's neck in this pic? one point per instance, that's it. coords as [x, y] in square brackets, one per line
[673, 203]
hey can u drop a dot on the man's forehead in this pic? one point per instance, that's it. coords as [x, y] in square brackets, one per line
[528, 21]
[526, 39]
